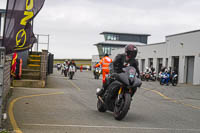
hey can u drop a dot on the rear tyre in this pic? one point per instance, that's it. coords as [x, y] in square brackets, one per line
[121, 110]
[65, 73]
[71, 76]
[100, 106]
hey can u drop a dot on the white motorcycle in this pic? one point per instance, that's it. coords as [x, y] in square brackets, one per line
[71, 71]
[97, 73]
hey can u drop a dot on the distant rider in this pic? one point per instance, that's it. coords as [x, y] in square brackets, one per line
[72, 63]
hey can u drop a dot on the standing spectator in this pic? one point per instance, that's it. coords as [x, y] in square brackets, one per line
[81, 68]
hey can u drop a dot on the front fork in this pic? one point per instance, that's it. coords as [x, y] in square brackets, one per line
[120, 92]
[120, 95]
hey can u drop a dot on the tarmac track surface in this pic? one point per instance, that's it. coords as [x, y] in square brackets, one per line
[73, 109]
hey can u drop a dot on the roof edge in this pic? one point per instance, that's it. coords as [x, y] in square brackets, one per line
[183, 33]
[2, 10]
[107, 32]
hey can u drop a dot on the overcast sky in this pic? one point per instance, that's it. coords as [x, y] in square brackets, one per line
[74, 25]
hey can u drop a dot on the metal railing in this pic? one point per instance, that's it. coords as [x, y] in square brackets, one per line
[41, 43]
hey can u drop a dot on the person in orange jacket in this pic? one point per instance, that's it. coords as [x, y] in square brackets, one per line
[81, 68]
[105, 62]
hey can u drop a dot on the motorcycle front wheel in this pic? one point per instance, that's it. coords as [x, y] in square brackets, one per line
[100, 106]
[142, 78]
[174, 82]
[121, 107]
[153, 78]
[161, 82]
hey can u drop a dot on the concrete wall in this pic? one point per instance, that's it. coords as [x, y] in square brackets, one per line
[44, 67]
[4, 82]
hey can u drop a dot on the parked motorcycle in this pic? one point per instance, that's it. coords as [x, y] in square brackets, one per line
[97, 73]
[147, 76]
[164, 78]
[118, 95]
[153, 76]
[71, 71]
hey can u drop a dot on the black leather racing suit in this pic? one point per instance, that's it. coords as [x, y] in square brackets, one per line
[120, 62]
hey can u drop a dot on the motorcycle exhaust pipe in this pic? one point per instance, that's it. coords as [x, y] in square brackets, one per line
[101, 99]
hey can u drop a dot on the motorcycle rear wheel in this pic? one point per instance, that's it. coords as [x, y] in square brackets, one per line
[119, 114]
[71, 76]
[65, 73]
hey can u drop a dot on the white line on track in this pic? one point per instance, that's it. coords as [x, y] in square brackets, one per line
[111, 127]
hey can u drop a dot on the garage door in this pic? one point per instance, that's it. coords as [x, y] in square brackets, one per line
[190, 69]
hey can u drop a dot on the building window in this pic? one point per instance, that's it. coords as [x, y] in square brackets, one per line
[112, 37]
[107, 50]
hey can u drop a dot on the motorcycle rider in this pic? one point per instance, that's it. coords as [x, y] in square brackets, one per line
[124, 60]
[72, 63]
[105, 62]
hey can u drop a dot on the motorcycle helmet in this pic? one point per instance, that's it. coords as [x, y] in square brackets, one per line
[131, 51]
[106, 54]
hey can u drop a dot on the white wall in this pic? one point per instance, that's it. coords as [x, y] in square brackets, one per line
[115, 52]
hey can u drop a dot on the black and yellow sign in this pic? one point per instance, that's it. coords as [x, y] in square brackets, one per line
[18, 31]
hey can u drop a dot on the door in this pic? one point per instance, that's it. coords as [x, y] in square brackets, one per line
[150, 62]
[176, 64]
[143, 64]
[159, 64]
[190, 69]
